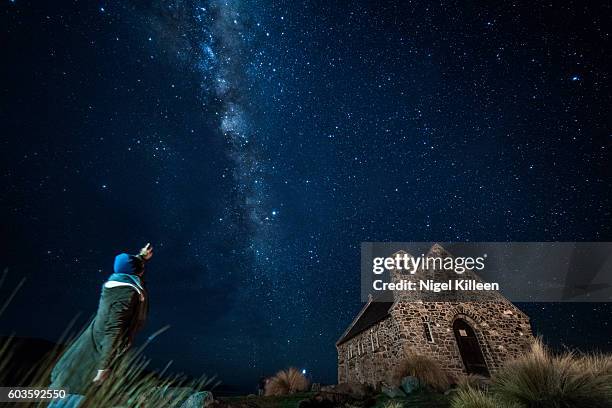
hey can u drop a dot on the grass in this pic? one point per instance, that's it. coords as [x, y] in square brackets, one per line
[474, 398]
[394, 404]
[131, 385]
[425, 369]
[286, 382]
[541, 379]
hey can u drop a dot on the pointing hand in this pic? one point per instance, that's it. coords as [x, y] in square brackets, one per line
[146, 252]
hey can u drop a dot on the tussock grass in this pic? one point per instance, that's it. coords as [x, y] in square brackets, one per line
[474, 398]
[393, 404]
[541, 379]
[131, 385]
[286, 382]
[598, 364]
[425, 369]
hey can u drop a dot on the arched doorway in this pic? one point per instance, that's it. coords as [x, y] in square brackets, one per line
[469, 348]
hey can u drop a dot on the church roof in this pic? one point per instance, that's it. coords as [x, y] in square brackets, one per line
[372, 313]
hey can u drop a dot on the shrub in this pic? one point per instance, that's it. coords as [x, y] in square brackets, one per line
[425, 369]
[286, 382]
[542, 380]
[474, 398]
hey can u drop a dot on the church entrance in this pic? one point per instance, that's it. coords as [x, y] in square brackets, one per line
[469, 348]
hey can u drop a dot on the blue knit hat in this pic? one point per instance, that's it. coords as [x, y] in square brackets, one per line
[128, 264]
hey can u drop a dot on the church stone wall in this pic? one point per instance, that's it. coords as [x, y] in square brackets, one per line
[368, 357]
[503, 331]
[371, 357]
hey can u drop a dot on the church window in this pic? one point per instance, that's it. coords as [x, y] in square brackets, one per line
[427, 328]
[428, 332]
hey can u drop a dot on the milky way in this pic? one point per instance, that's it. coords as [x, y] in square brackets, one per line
[223, 55]
[225, 51]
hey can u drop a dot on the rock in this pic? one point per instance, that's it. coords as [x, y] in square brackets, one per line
[198, 400]
[410, 384]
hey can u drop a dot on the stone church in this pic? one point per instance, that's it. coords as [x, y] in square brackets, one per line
[464, 337]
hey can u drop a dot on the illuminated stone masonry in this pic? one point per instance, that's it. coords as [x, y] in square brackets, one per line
[464, 337]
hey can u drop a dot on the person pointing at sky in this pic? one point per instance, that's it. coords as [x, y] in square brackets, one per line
[122, 311]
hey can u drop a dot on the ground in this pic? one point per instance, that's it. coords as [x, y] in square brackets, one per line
[289, 401]
[419, 400]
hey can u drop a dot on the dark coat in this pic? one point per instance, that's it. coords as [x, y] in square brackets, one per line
[108, 336]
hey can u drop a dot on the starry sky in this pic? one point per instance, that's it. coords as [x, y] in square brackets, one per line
[256, 144]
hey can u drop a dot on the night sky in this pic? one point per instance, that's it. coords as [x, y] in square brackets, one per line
[257, 144]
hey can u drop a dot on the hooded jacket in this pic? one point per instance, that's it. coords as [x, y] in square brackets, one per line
[121, 313]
